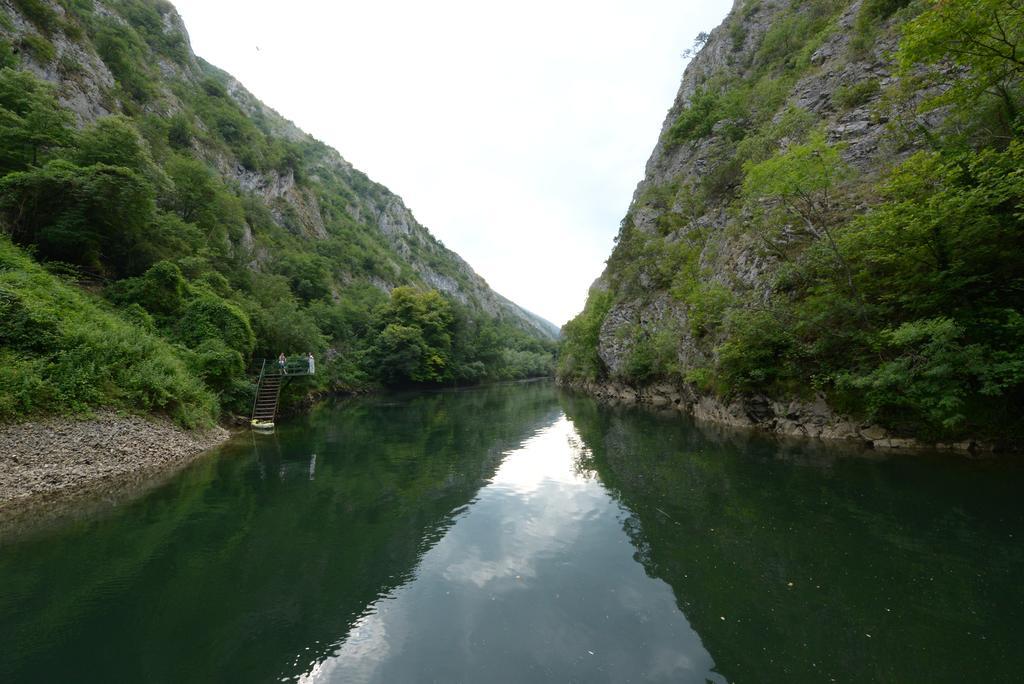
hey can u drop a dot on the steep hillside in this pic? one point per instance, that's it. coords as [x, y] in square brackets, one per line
[188, 208]
[828, 239]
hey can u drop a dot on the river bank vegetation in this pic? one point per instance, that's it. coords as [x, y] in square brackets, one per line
[894, 286]
[148, 255]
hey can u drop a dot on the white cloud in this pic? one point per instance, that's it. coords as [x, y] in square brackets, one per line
[515, 132]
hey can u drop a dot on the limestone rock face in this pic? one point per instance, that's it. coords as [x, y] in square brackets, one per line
[806, 419]
[730, 257]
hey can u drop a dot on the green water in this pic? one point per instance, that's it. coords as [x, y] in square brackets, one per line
[515, 534]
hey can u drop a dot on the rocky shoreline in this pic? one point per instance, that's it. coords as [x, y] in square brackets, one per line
[48, 461]
[813, 420]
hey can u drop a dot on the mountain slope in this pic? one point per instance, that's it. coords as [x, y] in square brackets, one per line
[134, 168]
[811, 250]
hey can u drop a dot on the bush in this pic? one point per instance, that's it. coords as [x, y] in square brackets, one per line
[8, 60]
[760, 354]
[208, 317]
[696, 120]
[24, 327]
[162, 291]
[579, 357]
[62, 353]
[34, 122]
[146, 17]
[414, 344]
[125, 53]
[40, 48]
[933, 376]
[217, 364]
[285, 326]
[652, 355]
[862, 92]
[307, 275]
[872, 14]
[92, 216]
[39, 13]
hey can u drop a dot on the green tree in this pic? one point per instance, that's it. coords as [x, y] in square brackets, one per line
[114, 141]
[307, 275]
[32, 122]
[195, 187]
[162, 291]
[401, 355]
[126, 54]
[802, 186]
[93, 216]
[985, 37]
[416, 326]
[283, 325]
[579, 357]
[208, 317]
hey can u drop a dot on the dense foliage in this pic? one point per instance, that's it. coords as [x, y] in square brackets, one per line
[899, 295]
[63, 351]
[423, 338]
[165, 276]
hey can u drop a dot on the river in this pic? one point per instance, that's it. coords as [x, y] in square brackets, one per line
[519, 534]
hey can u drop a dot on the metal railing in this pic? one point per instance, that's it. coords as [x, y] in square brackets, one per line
[259, 383]
[293, 366]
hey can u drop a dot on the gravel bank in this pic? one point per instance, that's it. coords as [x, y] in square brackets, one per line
[52, 460]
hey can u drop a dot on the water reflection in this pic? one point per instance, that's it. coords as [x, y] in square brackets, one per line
[535, 580]
[271, 459]
[811, 563]
[260, 553]
[509, 534]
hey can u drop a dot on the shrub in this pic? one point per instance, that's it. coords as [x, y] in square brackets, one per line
[579, 357]
[126, 55]
[217, 364]
[857, 94]
[40, 48]
[696, 120]
[162, 291]
[7, 57]
[94, 216]
[39, 13]
[62, 353]
[933, 375]
[146, 17]
[35, 125]
[208, 317]
[652, 355]
[759, 355]
[872, 14]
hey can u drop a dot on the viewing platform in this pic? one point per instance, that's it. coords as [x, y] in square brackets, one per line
[272, 376]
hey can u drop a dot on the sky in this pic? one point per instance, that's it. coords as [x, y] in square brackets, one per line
[515, 132]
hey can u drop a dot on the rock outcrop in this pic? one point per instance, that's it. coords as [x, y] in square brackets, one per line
[688, 196]
[734, 260]
[813, 419]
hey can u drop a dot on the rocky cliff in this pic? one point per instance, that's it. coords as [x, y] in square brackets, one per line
[162, 231]
[133, 57]
[704, 302]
